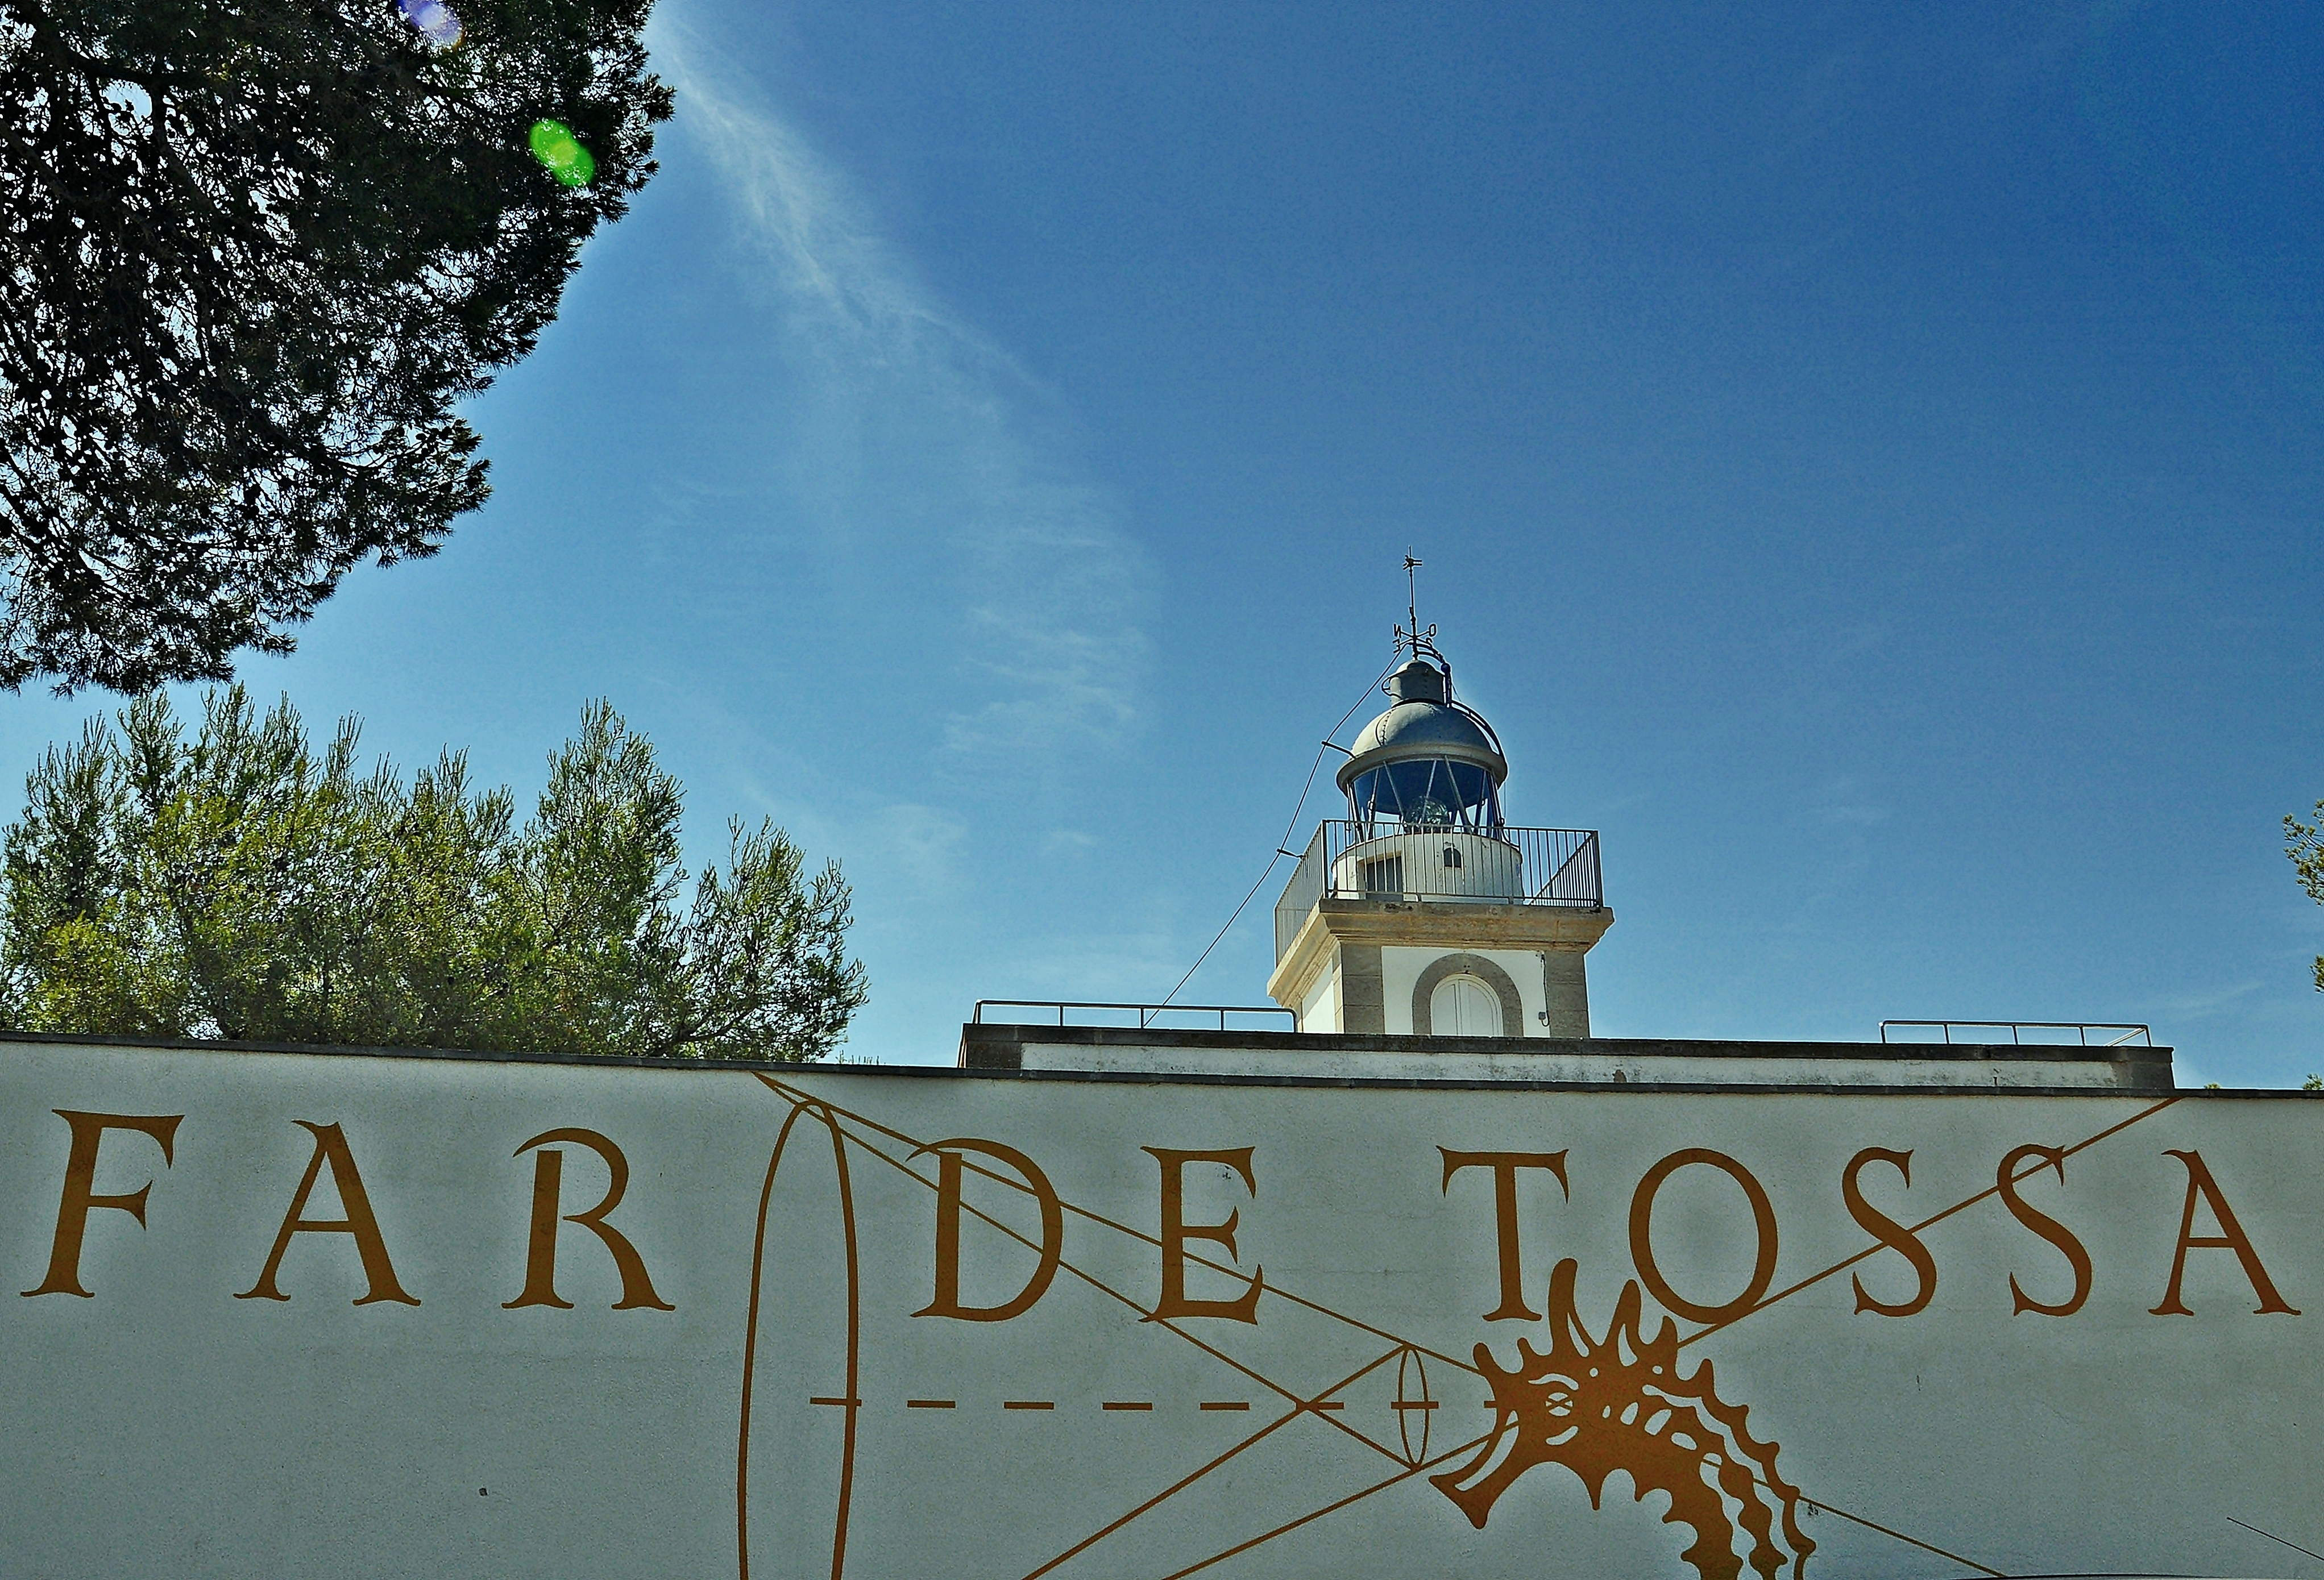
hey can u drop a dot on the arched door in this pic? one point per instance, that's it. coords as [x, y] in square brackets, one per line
[1463, 1006]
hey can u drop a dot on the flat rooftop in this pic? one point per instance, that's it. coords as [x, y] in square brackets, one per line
[1584, 1061]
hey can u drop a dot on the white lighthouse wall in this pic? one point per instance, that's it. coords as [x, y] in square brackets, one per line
[1400, 970]
[1320, 1010]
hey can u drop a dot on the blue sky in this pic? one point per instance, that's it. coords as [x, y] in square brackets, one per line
[1868, 461]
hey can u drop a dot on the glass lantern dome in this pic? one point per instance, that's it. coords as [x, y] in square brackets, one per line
[1427, 764]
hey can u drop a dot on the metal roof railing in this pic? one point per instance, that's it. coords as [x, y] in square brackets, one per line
[2081, 1029]
[1149, 1015]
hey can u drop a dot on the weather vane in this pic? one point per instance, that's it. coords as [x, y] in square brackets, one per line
[1410, 634]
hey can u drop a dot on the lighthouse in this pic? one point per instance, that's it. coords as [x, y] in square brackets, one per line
[1423, 912]
[1424, 936]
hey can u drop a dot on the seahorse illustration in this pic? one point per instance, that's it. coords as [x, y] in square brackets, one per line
[1597, 1406]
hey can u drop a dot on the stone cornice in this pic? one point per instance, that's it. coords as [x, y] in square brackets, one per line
[1425, 925]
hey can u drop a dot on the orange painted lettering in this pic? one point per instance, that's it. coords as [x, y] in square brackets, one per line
[1505, 1166]
[1642, 1248]
[2230, 1237]
[1889, 1233]
[947, 1301]
[379, 1272]
[1176, 1231]
[540, 1256]
[79, 1196]
[2049, 1228]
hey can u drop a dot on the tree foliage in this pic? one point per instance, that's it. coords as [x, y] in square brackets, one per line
[241, 883]
[2304, 843]
[255, 252]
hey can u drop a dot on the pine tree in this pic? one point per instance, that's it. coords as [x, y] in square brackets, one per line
[255, 252]
[2304, 844]
[240, 884]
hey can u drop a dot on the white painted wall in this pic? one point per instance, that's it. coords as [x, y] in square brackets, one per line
[1423, 1064]
[1401, 966]
[164, 1428]
[1320, 1011]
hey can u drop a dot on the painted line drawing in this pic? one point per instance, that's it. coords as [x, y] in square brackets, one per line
[1670, 1432]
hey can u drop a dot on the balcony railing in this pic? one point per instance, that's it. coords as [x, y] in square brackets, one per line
[1384, 859]
[2043, 1034]
[1147, 1016]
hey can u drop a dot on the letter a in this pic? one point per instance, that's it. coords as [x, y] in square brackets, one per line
[331, 1147]
[2230, 1237]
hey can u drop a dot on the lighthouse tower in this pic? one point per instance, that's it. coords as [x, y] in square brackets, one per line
[1423, 912]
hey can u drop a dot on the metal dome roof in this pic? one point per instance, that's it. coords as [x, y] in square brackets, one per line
[1420, 728]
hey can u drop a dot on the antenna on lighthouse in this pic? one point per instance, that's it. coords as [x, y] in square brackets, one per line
[1410, 634]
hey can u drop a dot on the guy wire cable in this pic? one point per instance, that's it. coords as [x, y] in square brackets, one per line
[1289, 829]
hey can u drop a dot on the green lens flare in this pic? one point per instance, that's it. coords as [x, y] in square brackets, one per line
[554, 145]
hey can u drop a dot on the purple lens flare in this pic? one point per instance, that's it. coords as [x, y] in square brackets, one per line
[436, 23]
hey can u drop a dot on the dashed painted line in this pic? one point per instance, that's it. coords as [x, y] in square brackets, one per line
[1142, 1406]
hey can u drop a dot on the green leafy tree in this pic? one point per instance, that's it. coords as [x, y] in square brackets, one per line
[2304, 844]
[255, 252]
[239, 883]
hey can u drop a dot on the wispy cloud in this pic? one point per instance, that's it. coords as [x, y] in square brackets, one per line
[1844, 800]
[2197, 1006]
[924, 454]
